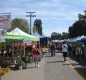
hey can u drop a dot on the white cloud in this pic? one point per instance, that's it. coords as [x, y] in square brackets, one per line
[48, 32]
[71, 15]
[52, 12]
[48, 4]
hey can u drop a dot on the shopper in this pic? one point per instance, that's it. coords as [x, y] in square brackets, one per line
[64, 50]
[52, 49]
[35, 54]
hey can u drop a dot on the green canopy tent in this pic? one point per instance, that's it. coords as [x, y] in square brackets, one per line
[18, 34]
[13, 37]
[23, 35]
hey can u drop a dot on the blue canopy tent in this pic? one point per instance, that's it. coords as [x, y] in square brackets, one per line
[37, 35]
[78, 39]
[83, 39]
[43, 39]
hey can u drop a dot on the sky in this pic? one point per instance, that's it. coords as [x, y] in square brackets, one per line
[56, 15]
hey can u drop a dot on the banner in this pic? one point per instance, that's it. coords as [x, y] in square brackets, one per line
[3, 32]
[5, 21]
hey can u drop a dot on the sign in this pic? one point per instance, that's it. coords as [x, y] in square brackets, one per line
[2, 32]
[5, 21]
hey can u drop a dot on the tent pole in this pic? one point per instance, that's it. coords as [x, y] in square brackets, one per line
[13, 48]
[24, 49]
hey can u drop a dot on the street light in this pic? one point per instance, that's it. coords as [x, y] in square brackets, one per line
[30, 15]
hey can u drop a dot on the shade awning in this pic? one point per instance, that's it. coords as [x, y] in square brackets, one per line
[20, 34]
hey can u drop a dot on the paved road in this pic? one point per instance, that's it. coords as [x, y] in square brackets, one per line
[32, 73]
[51, 68]
[57, 69]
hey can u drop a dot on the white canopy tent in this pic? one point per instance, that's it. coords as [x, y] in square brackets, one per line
[19, 32]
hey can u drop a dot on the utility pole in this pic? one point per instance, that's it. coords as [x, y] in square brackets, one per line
[30, 15]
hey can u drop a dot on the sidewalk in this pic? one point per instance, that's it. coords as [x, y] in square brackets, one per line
[32, 73]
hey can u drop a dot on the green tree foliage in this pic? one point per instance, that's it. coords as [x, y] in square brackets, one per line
[19, 23]
[79, 27]
[64, 35]
[71, 34]
[55, 36]
[34, 29]
[37, 26]
[58, 36]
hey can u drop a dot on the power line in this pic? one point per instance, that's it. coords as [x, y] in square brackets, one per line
[30, 15]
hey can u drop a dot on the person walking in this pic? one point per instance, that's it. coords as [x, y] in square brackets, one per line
[35, 55]
[64, 50]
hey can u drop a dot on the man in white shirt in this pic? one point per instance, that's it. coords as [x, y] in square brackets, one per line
[64, 50]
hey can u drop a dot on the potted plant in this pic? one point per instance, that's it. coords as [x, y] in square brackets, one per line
[26, 60]
[20, 64]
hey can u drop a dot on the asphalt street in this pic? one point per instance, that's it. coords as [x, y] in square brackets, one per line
[51, 68]
[57, 69]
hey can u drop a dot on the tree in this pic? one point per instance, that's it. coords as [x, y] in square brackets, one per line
[37, 26]
[55, 36]
[19, 23]
[79, 27]
[58, 36]
[64, 35]
[71, 34]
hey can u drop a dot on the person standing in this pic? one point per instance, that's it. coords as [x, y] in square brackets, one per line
[52, 49]
[69, 50]
[64, 50]
[35, 55]
[78, 53]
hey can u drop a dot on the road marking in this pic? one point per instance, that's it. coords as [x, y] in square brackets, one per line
[70, 64]
[74, 69]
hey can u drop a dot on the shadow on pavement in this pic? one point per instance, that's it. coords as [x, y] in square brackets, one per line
[16, 68]
[82, 61]
[74, 64]
[55, 61]
[82, 71]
